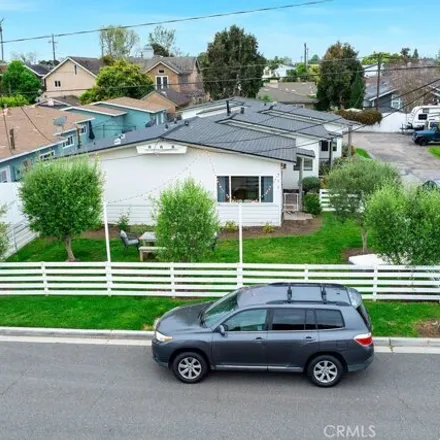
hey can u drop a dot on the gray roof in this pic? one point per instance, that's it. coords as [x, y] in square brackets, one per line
[183, 65]
[60, 101]
[209, 133]
[292, 125]
[384, 89]
[285, 96]
[93, 65]
[40, 69]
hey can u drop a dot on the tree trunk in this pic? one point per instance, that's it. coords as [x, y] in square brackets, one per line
[68, 245]
[364, 233]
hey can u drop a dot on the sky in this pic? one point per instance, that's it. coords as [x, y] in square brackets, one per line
[369, 25]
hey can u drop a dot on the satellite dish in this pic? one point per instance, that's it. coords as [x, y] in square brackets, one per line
[60, 121]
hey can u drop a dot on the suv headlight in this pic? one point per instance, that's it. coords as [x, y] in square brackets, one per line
[161, 337]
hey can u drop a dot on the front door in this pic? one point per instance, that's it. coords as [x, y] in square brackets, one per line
[292, 338]
[244, 343]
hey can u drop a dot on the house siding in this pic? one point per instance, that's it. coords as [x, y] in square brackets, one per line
[151, 173]
[173, 77]
[71, 83]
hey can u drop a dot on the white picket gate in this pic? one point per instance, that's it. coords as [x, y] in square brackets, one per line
[211, 279]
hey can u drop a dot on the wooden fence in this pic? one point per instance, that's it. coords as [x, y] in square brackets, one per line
[211, 280]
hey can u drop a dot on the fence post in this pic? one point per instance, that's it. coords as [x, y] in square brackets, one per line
[15, 238]
[239, 275]
[44, 278]
[172, 279]
[306, 272]
[375, 273]
[108, 277]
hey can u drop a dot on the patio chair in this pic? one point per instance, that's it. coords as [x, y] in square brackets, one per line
[129, 240]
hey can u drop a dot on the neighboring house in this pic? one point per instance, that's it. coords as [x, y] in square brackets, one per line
[73, 76]
[181, 74]
[370, 70]
[389, 99]
[173, 101]
[39, 70]
[254, 155]
[30, 133]
[279, 72]
[294, 93]
[59, 102]
[120, 115]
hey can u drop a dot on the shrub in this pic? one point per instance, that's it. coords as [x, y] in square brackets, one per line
[364, 117]
[62, 198]
[312, 204]
[268, 228]
[186, 222]
[311, 184]
[3, 236]
[14, 101]
[124, 222]
[230, 226]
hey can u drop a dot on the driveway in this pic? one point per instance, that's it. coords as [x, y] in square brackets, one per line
[78, 392]
[415, 162]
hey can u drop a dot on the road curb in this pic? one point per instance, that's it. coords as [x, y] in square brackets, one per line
[148, 335]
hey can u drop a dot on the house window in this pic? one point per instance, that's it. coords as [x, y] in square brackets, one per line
[161, 82]
[83, 129]
[161, 71]
[308, 165]
[423, 117]
[69, 142]
[57, 84]
[324, 146]
[396, 101]
[75, 69]
[4, 175]
[245, 188]
[334, 145]
[48, 155]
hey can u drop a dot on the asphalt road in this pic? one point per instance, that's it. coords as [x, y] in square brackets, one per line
[415, 162]
[57, 391]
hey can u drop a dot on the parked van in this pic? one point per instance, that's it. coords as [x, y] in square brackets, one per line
[421, 114]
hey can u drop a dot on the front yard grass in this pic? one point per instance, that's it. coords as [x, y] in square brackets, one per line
[138, 313]
[325, 246]
[435, 151]
[363, 153]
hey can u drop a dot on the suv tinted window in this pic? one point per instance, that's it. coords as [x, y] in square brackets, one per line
[310, 320]
[248, 321]
[329, 319]
[288, 319]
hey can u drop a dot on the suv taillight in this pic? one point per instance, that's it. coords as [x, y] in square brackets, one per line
[365, 340]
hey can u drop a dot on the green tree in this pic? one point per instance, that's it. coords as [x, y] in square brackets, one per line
[186, 222]
[405, 224]
[62, 198]
[13, 101]
[351, 185]
[117, 42]
[3, 234]
[19, 80]
[339, 68]
[385, 57]
[314, 60]
[117, 80]
[415, 55]
[233, 65]
[291, 76]
[164, 40]
[357, 91]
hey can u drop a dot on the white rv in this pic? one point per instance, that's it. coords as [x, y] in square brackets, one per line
[421, 114]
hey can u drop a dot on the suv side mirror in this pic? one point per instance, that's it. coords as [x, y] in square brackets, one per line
[222, 329]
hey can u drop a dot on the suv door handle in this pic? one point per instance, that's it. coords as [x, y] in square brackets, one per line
[309, 338]
[259, 339]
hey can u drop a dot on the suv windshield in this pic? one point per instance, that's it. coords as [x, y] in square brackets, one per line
[220, 309]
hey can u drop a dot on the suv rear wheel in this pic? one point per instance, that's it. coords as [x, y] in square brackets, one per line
[423, 142]
[325, 371]
[189, 367]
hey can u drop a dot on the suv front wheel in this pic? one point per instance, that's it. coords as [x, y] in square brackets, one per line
[325, 371]
[189, 367]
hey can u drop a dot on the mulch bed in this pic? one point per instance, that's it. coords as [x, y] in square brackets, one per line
[287, 229]
[429, 329]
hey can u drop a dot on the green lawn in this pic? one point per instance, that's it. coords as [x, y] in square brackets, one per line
[435, 151]
[324, 246]
[136, 313]
[363, 153]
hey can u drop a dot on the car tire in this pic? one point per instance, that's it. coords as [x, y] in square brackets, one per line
[189, 367]
[423, 142]
[325, 371]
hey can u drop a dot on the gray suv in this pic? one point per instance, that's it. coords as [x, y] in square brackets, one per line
[320, 329]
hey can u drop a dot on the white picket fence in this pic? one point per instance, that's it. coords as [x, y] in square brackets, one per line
[211, 279]
[18, 236]
[324, 199]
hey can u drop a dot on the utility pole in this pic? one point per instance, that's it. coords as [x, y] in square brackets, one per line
[306, 58]
[53, 43]
[379, 69]
[1, 38]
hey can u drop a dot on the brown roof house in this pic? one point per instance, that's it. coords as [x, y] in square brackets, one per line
[301, 94]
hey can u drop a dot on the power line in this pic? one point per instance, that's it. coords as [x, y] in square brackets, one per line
[177, 20]
[36, 128]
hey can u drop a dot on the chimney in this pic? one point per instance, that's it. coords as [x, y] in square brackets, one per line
[147, 52]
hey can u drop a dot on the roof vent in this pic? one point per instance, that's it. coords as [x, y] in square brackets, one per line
[242, 110]
[117, 141]
[166, 126]
[186, 123]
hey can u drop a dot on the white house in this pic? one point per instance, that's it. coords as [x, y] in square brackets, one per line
[279, 72]
[251, 156]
